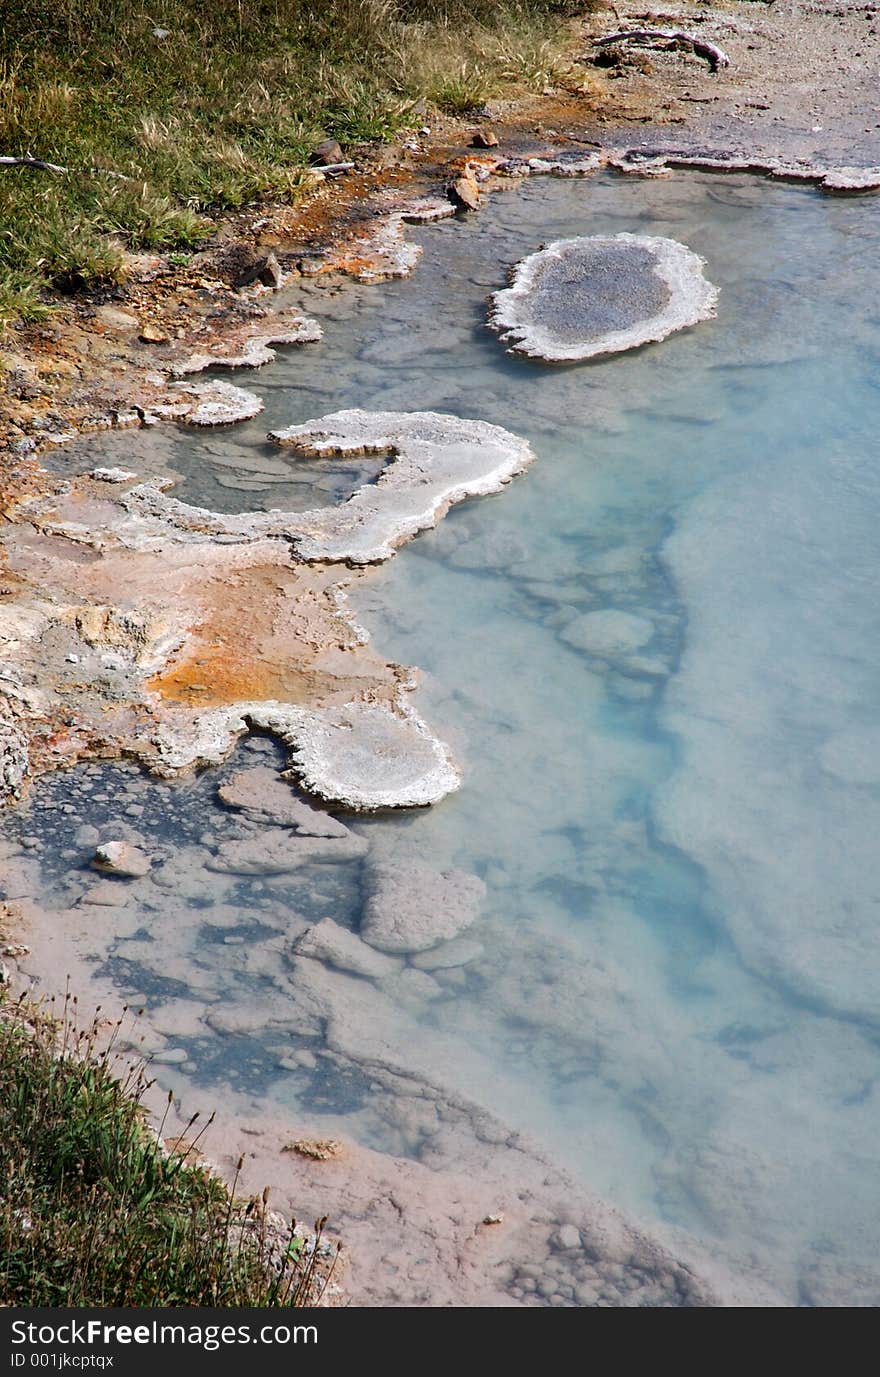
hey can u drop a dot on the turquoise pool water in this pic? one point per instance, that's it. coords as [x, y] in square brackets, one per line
[656, 656]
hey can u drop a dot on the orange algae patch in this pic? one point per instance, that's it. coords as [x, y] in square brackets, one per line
[263, 636]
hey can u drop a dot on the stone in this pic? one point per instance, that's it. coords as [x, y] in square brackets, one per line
[114, 319]
[344, 950]
[13, 757]
[566, 1237]
[326, 153]
[173, 1057]
[113, 475]
[581, 298]
[317, 1149]
[411, 908]
[152, 334]
[275, 851]
[263, 268]
[484, 138]
[106, 894]
[413, 984]
[260, 792]
[464, 192]
[121, 858]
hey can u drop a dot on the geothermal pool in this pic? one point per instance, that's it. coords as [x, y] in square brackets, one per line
[674, 982]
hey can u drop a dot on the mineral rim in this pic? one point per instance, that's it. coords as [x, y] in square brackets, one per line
[580, 298]
[136, 624]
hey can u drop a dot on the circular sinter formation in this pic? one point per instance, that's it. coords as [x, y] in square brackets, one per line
[579, 298]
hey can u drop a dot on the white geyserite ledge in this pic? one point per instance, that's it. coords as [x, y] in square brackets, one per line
[364, 756]
[208, 404]
[516, 312]
[256, 351]
[436, 461]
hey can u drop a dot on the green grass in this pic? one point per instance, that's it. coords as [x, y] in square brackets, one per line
[221, 113]
[93, 1212]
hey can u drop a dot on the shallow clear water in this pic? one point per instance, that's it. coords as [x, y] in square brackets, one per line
[676, 806]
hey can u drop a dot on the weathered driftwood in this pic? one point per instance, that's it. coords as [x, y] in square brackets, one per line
[332, 169]
[715, 56]
[41, 165]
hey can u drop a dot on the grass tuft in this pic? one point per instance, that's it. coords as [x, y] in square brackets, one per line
[95, 1211]
[222, 112]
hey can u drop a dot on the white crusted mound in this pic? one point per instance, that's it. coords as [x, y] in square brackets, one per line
[256, 351]
[546, 311]
[364, 755]
[437, 460]
[210, 404]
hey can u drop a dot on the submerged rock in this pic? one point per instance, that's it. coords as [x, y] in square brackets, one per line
[261, 793]
[608, 632]
[579, 298]
[123, 859]
[411, 908]
[449, 955]
[276, 851]
[106, 894]
[339, 947]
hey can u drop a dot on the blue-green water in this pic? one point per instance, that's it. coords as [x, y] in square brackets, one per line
[675, 806]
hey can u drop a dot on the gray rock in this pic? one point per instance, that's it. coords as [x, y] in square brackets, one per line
[121, 858]
[261, 793]
[338, 947]
[275, 852]
[411, 908]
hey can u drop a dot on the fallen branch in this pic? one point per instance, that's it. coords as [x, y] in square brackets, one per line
[332, 169]
[715, 56]
[41, 165]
